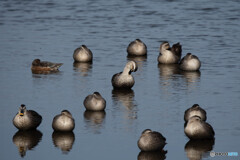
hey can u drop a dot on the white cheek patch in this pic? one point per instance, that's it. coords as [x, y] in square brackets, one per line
[134, 65]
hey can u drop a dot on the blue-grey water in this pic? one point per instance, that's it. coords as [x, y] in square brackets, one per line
[52, 30]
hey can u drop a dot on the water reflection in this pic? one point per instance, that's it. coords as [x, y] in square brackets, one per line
[94, 120]
[45, 72]
[140, 60]
[198, 149]
[166, 71]
[157, 155]
[171, 76]
[83, 68]
[26, 140]
[46, 75]
[126, 97]
[191, 77]
[63, 140]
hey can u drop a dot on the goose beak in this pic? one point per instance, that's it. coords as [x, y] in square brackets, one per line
[21, 113]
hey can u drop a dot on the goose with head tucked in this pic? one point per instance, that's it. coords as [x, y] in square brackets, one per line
[63, 122]
[151, 141]
[137, 48]
[170, 55]
[38, 65]
[82, 54]
[196, 128]
[26, 119]
[195, 110]
[95, 102]
[124, 80]
[190, 62]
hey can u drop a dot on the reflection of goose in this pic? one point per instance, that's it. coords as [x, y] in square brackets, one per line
[197, 149]
[45, 72]
[167, 70]
[151, 141]
[94, 118]
[26, 119]
[63, 140]
[26, 140]
[137, 48]
[125, 80]
[157, 155]
[138, 59]
[84, 68]
[191, 76]
[195, 110]
[126, 97]
[195, 128]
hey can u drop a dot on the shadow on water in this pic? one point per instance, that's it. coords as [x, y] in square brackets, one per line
[26, 140]
[157, 155]
[63, 140]
[83, 68]
[198, 149]
[94, 120]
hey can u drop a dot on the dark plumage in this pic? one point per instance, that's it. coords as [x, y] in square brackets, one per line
[177, 49]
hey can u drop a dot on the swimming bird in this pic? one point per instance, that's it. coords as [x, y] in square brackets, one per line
[190, 62]
[63, 122]
[26, 119]
[151, 141]
[170, 55]
[124, 80]
[137, 48]
[38, 65]
[82, 54]
[196, 128]
[95, 102]
[195, 110]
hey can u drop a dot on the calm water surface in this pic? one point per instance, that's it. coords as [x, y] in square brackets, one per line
[51, 30]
